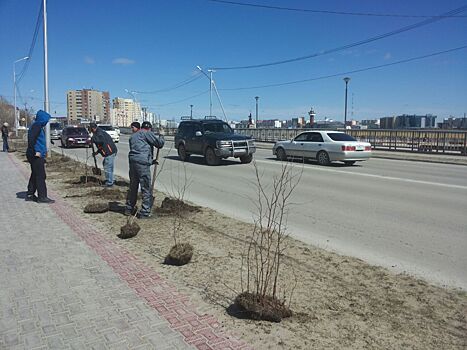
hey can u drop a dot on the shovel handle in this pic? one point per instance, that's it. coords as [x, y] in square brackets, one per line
[155, 172]
[95, 161]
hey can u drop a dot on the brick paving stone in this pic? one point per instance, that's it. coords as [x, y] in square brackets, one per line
[70, 287]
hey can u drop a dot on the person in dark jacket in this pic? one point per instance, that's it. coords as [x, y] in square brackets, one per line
[140, 159]
[107, 149]
[36, 153]
[5, 134]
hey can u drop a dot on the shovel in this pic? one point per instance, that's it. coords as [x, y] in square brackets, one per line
[95, 170]
[154, 173]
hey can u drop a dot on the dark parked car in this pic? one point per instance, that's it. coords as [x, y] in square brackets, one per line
[213, 139]
[75, 136]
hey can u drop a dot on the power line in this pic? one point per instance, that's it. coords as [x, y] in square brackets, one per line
[294, 9]
[33, 44]
[183, 100]
[348, 46]
[173, 87]
[349, 72]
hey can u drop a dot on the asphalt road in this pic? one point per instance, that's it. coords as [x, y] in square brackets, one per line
[407, 216]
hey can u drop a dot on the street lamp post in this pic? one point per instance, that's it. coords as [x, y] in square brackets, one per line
[346, 79]
[256, 122]
[14, 88]
[210, 71]
[191, 111]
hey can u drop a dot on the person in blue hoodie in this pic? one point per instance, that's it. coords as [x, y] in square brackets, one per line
[36, 153]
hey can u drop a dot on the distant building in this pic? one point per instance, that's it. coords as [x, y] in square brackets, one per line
[387, 122]
[370, 124]
[406, 121]
[88, 104]
[268, 124]
[125, 111]
[453, 123]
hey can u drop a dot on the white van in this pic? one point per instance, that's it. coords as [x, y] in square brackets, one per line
[109, 129]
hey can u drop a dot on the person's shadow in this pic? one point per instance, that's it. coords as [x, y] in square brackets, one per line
[21, 195]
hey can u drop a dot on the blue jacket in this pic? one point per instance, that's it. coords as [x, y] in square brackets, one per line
[36, 135]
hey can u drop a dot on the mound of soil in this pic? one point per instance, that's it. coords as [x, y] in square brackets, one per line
[109, 193]
[255, 307]
[173, 205]
[180, 254]
[98, 207]
[129, 230]
[87, 181]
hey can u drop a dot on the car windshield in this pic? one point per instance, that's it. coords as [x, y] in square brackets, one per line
[77, 131]
[106, 127]
[55, 126]
[217, 127]
[337, 136]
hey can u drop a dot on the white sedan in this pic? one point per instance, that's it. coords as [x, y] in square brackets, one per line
[323, 146]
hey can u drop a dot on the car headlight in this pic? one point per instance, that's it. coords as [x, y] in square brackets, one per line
[224, 144]
[251, 143]
[71, 139]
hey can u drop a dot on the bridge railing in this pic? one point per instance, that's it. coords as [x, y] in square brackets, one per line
[426, 141]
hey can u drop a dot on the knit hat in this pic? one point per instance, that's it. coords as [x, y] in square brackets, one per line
[136, 125]
[146, 125]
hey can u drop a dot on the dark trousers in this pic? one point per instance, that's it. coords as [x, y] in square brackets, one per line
[37, 179]
[5, 143]
[140, 175]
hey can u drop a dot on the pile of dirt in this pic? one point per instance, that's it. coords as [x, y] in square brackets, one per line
[129, 230]
[180, 254]
[255, 307]
[96, 207]
[176, 206]
[86, 181]
[109, 193]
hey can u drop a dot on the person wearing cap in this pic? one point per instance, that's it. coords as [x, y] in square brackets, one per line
[5, 134]
[107, 149]
[36, 153]
[140, 159]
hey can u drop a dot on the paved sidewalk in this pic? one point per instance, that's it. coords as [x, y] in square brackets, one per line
[65, 286]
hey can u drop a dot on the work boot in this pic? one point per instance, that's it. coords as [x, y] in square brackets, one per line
[31, 198]
[45, 200]
[129, 212]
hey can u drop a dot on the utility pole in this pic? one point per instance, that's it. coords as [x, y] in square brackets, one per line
[191, 111]
[256, 122]
[346, 79]
[46, 80]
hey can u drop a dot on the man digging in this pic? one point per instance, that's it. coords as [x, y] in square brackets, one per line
[107, 149]
[140, 159]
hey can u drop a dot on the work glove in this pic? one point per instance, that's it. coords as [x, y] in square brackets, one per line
[154, 161]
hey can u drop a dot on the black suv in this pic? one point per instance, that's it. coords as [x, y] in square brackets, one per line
[213, 139]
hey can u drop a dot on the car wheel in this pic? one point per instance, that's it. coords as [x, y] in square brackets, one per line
[211, 158]
[246, 159]
[349, 162]
[182, 153]
[323, 158]
[280, 154]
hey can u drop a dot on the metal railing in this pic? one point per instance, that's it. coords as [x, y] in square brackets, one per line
[426, 141]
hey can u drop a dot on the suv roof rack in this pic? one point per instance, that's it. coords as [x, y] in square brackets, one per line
[185, 117]
[210, 117]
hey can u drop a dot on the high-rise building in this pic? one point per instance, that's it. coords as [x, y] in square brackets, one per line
[88, 105]
[125, 111]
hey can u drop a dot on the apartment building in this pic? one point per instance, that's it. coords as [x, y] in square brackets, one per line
[125, 111]
[88, 105]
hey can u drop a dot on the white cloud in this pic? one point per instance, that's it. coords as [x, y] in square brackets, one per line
[387, 56]
[123, 60]
[89, 60]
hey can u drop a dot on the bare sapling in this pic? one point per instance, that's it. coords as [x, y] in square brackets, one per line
[262, 260]
[131, 228]
[181, 252]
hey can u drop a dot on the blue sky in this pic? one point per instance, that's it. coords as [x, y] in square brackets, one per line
[145, 46]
